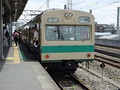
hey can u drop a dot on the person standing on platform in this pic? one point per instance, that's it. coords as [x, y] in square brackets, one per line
[35, 38]
[16, 37]
[4, 41]
[6, 37]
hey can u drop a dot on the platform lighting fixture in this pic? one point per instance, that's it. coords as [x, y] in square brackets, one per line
[15, 5]
[15, 2]
[16, 11]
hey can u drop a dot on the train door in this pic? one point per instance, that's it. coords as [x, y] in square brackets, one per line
[37, 26]
[39, 39]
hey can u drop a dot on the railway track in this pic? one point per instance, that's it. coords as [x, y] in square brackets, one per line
[109, 55]
[107, 46]
[111, 51]
[98, 75]
[69, 82]
[108, 61]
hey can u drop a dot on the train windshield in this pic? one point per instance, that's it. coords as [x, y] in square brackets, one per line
[67, 33]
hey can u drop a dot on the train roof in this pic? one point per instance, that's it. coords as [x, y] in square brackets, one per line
[39, 15]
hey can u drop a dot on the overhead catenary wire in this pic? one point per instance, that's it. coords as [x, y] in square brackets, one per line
[105, 5]
[92, 4]
[99, 5]
[97, 2]
[79, 2]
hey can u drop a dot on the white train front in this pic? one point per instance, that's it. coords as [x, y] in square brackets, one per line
[66, 38]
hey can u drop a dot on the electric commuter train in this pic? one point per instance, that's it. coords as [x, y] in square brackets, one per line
[66, 38]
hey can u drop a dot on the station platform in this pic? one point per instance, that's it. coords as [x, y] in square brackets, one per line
[112, 40]
[20, 71]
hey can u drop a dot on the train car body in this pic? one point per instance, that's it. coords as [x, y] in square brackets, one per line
[66, 38]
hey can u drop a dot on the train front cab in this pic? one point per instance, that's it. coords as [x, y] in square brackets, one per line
[67, 41]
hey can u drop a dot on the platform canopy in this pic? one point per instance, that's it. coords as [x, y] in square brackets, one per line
[16, 8]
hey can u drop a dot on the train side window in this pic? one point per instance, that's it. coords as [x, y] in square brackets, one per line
[51, 33]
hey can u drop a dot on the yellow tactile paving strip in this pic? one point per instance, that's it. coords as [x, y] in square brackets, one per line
[9, 58]
[16, 57]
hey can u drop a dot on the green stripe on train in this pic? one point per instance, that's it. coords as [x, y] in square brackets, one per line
[60, 49]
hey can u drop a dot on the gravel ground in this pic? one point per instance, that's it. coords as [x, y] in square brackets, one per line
[109, 71]
[95, 83]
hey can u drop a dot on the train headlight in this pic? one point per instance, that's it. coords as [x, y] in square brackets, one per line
[52, 20]
[84, 19]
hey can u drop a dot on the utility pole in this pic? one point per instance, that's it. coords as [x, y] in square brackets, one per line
[70, 4]
[118, 16]
[1, 29]
[47, 4]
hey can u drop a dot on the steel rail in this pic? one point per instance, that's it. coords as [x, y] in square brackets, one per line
[107, 61]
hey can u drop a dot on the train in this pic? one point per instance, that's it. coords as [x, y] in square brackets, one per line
[66, 38]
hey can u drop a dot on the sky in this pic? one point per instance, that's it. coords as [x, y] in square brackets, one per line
[104, 11]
